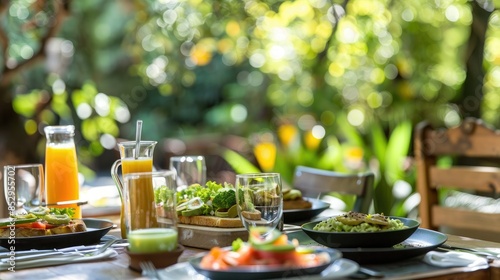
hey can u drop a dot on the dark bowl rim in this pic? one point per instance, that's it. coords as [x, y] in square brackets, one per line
[415, 227]
[334, 253]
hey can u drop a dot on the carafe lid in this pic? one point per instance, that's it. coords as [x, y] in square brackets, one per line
[60, 129]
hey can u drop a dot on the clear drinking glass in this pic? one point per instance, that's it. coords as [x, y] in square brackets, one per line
[23, 187]
[189, 170]
[260, 200]
[150, 214]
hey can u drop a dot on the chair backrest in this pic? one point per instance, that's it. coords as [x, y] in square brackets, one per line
[474, 150]
[314, 182]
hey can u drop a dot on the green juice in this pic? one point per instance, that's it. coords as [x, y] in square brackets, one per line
[152, 240]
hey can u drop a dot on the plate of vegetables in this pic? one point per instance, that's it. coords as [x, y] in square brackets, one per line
[272, 256]
[354, 230]
[419, 243]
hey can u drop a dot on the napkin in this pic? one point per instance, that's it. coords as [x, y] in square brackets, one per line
[450, 259]
[57, 260]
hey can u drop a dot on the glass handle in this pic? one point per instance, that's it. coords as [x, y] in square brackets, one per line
[119, 185]
[116, 178]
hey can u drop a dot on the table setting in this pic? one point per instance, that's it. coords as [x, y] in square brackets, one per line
[174, 224]
[75, 254]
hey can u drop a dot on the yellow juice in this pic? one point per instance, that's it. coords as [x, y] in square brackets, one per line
[61, 176]
[130, 165]
[141, 194]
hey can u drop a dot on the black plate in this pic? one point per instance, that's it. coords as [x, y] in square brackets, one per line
[386, 238]
[263, 272]
[96, 229]
[419, 243]
[297, 215]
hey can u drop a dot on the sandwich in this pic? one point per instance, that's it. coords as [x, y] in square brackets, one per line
[214, 204]
[211, 205]
[41, 221]
[292, 199]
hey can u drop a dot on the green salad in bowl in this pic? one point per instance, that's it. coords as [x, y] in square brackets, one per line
[360, 230]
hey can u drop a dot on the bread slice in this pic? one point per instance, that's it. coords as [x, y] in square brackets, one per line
[299, 203]
[74, 226]
[22, 232]
[211, 221]
[80, 226]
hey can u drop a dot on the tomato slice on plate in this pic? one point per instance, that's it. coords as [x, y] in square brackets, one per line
[38, 225]
[49, 226]
[35, 224]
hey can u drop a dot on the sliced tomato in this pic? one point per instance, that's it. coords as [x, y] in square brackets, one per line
[38, 225]
[214, 259]
[35, 224]
[4, 223]
[30, 225]
[49, 226]
[244, 256]
[26, 225]
[276, 257]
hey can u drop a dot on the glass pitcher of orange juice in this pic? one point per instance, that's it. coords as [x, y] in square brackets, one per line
[61, 167]
[132, 160]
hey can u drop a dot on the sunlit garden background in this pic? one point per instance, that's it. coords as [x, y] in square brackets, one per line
[337, 85]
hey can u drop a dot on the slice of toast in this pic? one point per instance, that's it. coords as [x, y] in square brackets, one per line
[74, 226]
[211, 221]
[299, 203]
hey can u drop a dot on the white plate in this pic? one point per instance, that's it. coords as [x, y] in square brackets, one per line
[339, 269]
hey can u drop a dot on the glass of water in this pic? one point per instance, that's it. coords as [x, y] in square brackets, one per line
[189, 169]
[260, 200]
[23, 186]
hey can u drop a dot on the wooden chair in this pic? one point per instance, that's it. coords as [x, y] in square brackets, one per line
[313, 182]
[475, 150]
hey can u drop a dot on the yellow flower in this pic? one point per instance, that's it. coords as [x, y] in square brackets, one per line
[287, 133]
[311, 141]
[265, 153]
[354, 153]
[354, 158]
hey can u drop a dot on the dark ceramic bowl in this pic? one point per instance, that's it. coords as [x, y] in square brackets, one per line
[377, 239]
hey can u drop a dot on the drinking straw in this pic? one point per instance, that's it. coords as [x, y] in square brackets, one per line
[138, 132]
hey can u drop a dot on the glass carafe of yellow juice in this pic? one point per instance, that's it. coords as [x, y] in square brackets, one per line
[61, 167]
[133, 159]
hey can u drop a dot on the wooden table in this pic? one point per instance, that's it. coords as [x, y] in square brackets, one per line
[117, 268]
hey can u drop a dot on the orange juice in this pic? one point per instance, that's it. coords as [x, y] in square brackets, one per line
[140, 192]
[131, 165]
[61, 176]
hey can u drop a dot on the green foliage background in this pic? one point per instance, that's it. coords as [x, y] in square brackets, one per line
[362, 71]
